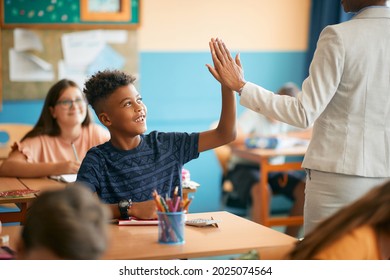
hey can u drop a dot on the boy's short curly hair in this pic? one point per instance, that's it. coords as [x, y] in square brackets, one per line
[102, 84]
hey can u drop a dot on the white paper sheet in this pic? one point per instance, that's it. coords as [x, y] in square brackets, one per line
[25, 67]
[67, 178]
[81, 48]
[114, 36]
[25, 40]
[76, 73]
[107, 59]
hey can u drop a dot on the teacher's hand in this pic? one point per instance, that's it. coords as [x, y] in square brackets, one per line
[226, 70]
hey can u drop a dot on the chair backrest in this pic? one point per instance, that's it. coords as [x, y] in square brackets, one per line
[9, 134]
[223, 154]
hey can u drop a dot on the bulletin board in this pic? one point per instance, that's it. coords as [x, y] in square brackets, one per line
[71, 14]
[50, 20]
[53, 53]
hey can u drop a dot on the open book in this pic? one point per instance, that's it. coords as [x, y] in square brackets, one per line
[18, 193]
[137, 222]
[67, 178]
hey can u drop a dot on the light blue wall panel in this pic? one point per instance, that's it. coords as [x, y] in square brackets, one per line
[27, 111]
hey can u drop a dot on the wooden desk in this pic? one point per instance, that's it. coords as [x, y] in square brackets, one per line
[41, 184]
[10, 183]
[235, 235]
[7, 184]
[262, 157]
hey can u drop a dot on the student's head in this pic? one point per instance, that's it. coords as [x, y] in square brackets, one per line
[354, 6]
[64, 105]
[116, 102]
[373, 209]
[289, 89]
[70, 223]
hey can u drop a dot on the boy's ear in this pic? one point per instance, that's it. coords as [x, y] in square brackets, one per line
[104, 119]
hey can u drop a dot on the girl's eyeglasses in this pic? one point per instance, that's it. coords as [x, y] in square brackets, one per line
[67, 103]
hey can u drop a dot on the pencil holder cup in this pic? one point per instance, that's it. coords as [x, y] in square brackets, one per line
[171, 227]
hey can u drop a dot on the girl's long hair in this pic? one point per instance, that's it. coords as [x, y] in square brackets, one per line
[47, 125]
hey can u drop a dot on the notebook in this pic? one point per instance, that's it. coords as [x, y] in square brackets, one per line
[137, 222]
[66, 178]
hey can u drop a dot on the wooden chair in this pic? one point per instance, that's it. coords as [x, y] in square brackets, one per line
[276, 204]
[9, 133]
[223, 154]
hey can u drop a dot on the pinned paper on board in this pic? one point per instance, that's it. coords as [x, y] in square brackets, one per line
[86, 52]
[37, 58]
[115, 36]
[27, 40]
[107, 58]
[72, 72]
[82, 48]
[26, 67]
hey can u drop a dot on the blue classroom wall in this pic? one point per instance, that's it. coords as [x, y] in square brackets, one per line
[26, 111]
[181, 95]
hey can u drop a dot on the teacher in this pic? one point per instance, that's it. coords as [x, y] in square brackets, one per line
[346, 96]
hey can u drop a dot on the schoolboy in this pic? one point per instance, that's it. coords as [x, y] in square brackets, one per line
[133, 164]
[67, 224]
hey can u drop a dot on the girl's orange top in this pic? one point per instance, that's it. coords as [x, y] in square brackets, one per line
[359, 244]
[45, 148]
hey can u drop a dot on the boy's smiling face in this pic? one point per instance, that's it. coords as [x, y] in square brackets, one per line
[124, 113]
